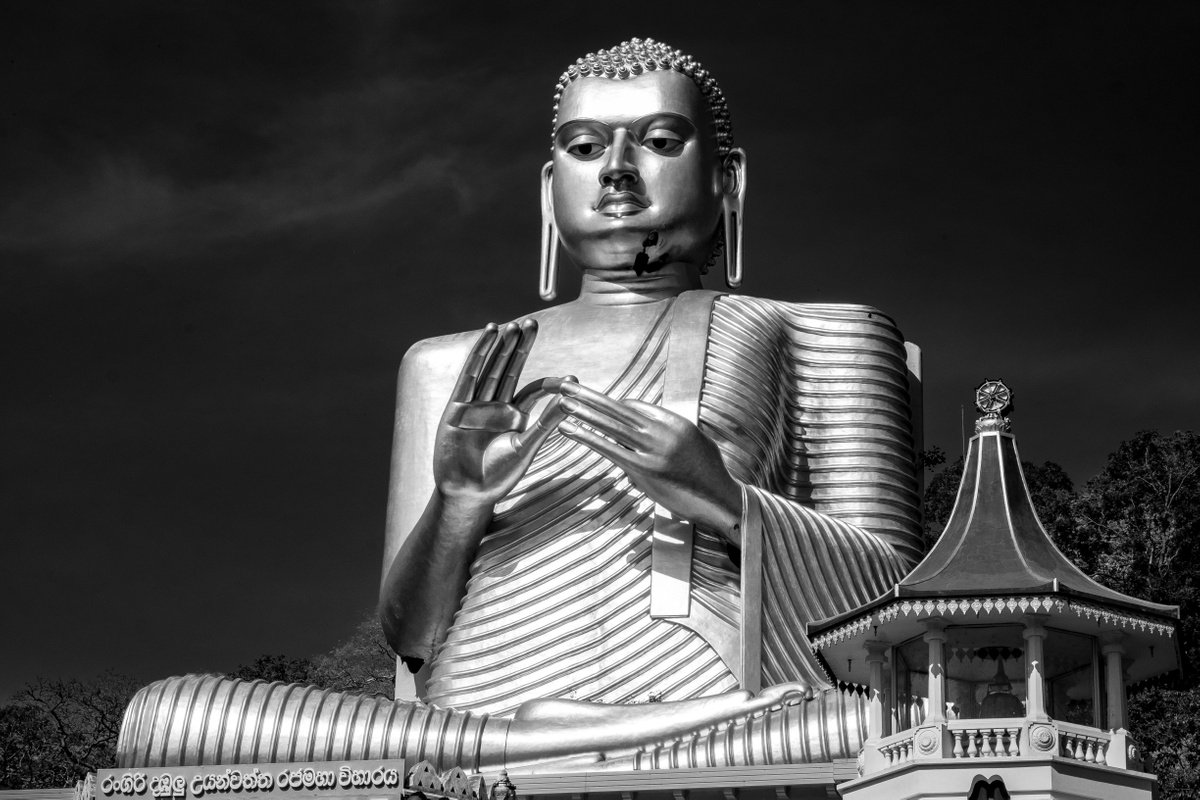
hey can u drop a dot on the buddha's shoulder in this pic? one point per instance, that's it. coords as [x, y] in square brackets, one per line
[432, 365]
[438, 348]
[834, 315]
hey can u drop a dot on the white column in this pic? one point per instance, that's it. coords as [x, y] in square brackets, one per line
[1035, 679]
[935, 635]
[876, 655]
[1113, 648]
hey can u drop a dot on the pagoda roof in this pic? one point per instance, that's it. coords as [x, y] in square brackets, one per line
[994, 547]
[994, 544]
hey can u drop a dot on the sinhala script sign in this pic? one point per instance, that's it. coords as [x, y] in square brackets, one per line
[382, 778]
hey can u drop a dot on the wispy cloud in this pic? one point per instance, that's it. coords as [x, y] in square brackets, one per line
[329, 161]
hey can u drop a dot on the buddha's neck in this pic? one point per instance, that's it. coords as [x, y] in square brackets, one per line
[623, 287]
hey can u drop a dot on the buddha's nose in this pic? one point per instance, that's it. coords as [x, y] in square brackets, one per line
[619, 167]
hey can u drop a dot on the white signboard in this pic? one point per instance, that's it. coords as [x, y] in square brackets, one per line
[383, 778]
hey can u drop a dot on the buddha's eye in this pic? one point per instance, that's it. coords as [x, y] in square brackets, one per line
[585, 150]
[663, 142]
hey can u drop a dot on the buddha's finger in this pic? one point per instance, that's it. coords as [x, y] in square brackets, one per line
[651, 411]
[464, 389]
[617, 430]
[497, 362]
[603, 403]
[533, 436]
[614, 452]
[533, 391]
[484, 416]
[512, 372]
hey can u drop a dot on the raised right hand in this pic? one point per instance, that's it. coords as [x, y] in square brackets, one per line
[485, 440]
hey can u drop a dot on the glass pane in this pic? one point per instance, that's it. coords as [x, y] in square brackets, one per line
[912, 683]
[985, 672]
[1071, 679]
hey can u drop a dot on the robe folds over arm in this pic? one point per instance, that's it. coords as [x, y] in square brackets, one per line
[811, 406]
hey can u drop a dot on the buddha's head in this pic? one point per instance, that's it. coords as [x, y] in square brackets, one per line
[643, 160]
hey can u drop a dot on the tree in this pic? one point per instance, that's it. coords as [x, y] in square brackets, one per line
[939, 501]
[364, 663]
[1166, 724]
[28, 750]
[1136, 529]
[276, 668]
[1139, 519]
[57, 731]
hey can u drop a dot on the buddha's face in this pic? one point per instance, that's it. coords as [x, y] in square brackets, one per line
[634, 157]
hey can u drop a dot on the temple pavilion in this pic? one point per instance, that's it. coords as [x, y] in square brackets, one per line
[996, 668]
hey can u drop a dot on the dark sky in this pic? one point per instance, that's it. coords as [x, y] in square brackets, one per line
[222, 224]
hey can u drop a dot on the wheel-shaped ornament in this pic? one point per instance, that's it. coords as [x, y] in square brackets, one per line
[993, 397]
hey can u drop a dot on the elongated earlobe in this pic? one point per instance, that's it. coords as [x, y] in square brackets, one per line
[548, 265]
[732, 205]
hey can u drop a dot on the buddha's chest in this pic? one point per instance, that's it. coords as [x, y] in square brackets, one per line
[598, 352]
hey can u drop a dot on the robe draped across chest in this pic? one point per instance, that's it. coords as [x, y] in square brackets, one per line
[809, 405]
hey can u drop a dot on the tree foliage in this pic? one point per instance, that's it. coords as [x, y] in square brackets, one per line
[1166, 724]
[54, 732]
[57, 731]
[939, 500]
[364, 663]
[1136, 529]
[276, 668]
[1138, 521]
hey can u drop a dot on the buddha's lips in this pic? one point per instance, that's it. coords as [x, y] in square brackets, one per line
[620, 198]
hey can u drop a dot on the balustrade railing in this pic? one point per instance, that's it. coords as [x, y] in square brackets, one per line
[983, 738]
[1006, 738]
[897, 749]
[1082, 744]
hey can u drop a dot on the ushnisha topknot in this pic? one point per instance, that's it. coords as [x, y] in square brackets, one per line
[637, 56]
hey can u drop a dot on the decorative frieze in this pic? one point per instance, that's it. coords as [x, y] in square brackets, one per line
[1038, 604]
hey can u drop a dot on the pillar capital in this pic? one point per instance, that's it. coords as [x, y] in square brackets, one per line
[935, 629]
[1035, 625]
[1112, 641]
[877, 651]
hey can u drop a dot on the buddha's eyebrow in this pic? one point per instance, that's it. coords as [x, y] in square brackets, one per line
[583, 122]
[639, 125]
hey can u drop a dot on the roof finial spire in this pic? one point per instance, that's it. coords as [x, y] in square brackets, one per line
[994, 400]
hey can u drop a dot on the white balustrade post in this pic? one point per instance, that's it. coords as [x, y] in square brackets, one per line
[935, 636]
[1035, 680]
[1113, 648]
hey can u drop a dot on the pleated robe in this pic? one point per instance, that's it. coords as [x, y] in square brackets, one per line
[810, 407]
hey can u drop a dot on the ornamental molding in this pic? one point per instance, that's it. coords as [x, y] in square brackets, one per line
[987, 605]
[1122, 619]
[842, 633]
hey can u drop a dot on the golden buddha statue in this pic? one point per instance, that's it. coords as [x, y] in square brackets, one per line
[690, 478]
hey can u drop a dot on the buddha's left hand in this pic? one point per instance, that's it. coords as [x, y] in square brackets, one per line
[664, 455]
